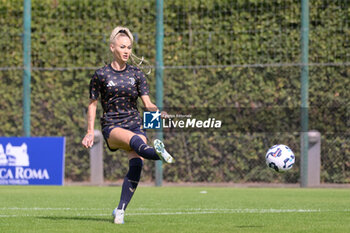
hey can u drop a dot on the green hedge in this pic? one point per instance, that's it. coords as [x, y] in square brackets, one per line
[212, 52]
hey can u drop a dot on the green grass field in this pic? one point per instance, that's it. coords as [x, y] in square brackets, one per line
[174, 209]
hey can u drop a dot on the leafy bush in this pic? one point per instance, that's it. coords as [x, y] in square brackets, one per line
[217, 54]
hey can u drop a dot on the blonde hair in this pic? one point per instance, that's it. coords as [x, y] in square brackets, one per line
[134, 59]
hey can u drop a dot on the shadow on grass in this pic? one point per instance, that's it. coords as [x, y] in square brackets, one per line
[59, 218]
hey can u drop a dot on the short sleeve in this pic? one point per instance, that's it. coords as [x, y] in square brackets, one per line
[142, 86]
[94, 87]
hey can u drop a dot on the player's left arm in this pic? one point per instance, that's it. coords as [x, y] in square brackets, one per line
[146, 100]
[150, 106]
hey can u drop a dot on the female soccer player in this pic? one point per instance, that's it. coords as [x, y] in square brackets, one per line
[119, 84]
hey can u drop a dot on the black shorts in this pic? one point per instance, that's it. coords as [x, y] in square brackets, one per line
[106, 131]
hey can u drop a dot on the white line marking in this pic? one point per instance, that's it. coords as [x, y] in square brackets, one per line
[190, 211]
[232, 211]
[49, 208]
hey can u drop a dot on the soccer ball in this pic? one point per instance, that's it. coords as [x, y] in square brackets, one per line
[280, 158]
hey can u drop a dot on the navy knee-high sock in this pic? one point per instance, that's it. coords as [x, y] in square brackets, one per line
[142, 149]
[130, 183]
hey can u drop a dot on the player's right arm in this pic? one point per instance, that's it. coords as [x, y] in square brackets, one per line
[88, 140]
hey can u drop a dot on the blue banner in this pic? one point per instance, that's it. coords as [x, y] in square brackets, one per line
[32, 160]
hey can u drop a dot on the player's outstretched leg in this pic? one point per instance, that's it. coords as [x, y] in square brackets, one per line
[148, 152]
[130, 183]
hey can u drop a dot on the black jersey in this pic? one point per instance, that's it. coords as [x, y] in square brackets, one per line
[119, 91]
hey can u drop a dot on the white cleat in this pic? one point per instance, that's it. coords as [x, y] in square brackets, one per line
[162, 153]
[118, 216]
